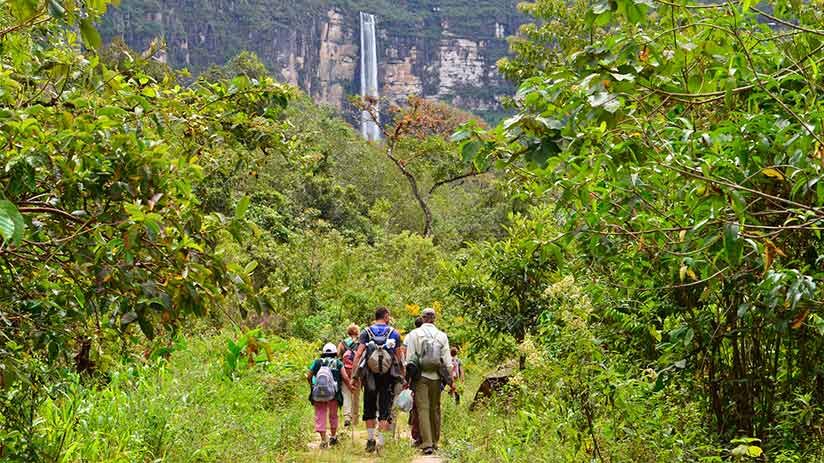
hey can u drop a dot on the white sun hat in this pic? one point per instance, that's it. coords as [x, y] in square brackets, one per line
[330, 348]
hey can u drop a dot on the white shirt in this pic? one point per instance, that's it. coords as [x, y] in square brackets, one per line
[413, 346]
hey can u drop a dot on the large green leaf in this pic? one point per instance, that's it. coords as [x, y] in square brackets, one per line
[11, 223]
[242, 207]
[91, 37]
[470, 150]
[56, 9]
[732, 244]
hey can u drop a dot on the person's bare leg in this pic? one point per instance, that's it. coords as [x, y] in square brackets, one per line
[383, 427]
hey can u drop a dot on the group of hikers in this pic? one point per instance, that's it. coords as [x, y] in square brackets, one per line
[408, 375]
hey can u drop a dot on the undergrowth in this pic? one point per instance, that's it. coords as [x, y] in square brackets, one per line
[184, 409]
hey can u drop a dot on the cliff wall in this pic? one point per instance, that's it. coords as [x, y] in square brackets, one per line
[442, 49]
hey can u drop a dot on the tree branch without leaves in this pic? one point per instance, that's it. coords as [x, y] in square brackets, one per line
[472, 173]
[52, 211]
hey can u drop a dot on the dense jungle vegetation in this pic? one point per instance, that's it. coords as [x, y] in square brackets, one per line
[640, 242]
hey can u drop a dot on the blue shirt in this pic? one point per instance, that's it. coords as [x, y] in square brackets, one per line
[380, 329]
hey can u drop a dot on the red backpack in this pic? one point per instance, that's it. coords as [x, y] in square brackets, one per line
[349, 354]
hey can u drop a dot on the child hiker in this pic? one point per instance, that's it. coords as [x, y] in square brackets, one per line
[325, 376]
[457, 373]
[351, 394]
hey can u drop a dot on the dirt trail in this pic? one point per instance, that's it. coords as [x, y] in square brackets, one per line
[426, 459]
[351, 449]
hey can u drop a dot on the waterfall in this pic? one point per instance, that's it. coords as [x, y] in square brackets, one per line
[369, 73]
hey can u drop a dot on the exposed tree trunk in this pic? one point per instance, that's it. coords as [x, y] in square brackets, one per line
[413, 184]
[82, 360]
[714, 388]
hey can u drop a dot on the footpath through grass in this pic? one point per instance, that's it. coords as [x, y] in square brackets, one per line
[187, 409]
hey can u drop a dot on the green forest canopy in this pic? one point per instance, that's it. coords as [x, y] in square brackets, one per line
[648, 246]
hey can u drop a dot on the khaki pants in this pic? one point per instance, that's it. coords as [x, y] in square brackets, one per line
[351, 409]
[428, 408]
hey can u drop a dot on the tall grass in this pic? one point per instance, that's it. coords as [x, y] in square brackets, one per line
[185, 409]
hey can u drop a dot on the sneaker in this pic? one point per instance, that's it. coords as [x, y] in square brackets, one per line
[428, 451]
[324, 445]
[416, 444]
[333, 441]
[370, 446]
[347, 423]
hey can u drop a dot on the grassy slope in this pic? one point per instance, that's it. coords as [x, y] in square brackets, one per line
[186, 410]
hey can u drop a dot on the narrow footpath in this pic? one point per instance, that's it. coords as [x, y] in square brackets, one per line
[352, 444]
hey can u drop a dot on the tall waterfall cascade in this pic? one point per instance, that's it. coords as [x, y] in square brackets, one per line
[369, 75]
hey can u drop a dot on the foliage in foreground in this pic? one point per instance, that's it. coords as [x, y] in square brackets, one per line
[130, 203]
[684, 170]
[580, 398]
[102, 230]
[681, 146]
[183, 409]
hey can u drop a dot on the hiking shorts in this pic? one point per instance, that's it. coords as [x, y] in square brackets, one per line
[377, 403]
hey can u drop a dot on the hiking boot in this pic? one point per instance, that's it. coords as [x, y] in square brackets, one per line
[428, 451]
[333, 441]
[370, 446]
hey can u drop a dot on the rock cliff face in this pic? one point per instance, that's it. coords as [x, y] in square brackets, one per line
[448, 53]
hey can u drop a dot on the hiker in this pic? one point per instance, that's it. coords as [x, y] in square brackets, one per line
[457, 375]
[396, 389]
[379, 365]
[351, 394]
[427, 347]
[411, 374]
[325, 375]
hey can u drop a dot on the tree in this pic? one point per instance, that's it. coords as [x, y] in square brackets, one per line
[416, 143]
[683, 147]
[245, 63]
[502, 285]
[101, 231]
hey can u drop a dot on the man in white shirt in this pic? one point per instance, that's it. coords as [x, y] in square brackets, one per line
[419, 342]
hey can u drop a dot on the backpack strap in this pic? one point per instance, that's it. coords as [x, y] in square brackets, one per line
[433, 336]
[372, 335]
